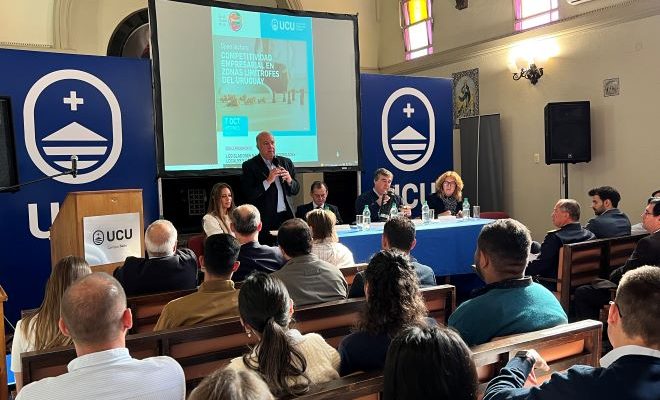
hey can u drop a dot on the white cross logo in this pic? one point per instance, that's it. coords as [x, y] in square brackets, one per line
[73, 101]
[408, 110]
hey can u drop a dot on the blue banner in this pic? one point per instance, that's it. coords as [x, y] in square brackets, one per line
[406, 128]
[97, 108]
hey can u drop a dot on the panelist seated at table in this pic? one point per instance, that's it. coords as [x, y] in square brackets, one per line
[319, 193]
[448, 196]
[399, 234]
[380, 198]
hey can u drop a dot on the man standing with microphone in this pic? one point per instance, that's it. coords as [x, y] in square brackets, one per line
[268, 182]
[380, 199]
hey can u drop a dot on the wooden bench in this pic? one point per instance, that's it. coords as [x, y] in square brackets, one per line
[562, 347]
[201, 349]
[582, 263]
[146, 309]
[350, 272]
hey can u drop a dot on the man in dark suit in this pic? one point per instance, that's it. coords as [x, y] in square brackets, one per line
[630, 371]
[590, 298]
[268, 181]
[379, 200]
[398, 233]
[319, 193]
[246, 224]
[165, 268]
[609, 221]
[566, 217]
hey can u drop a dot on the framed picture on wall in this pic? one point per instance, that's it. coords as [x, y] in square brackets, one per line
[465, 94]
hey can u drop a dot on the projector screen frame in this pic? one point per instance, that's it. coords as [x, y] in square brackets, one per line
[157, 99]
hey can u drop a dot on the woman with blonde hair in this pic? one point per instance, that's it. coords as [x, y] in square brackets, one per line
[325, 244]
[39, 329]
[448, 196]
[217, 215]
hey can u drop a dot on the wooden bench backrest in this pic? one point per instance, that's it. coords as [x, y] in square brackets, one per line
[146, 309]
[201, 349]
[579, 264]
[620, 250]
[561, 346]
[350, 272]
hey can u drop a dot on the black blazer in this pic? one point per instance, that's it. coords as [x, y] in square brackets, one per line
[611, 223]
[305, 208]
[140, 276]
[254, 173]
[257, 257]
[647, 252]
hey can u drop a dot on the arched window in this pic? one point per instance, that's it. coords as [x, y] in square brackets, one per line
[417, 24]
[531, 13]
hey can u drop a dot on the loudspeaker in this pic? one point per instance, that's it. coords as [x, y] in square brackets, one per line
[8, 173]
[567, 132]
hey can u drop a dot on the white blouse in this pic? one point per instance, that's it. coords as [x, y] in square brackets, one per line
[213, 224]
[335, 253]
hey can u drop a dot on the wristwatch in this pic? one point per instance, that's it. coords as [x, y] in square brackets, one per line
[526, 354]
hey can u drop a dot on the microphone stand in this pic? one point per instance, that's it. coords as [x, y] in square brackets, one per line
[18, 186]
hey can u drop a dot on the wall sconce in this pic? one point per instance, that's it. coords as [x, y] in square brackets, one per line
[524, 57]
[533, 73]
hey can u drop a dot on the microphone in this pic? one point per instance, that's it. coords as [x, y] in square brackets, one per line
[74, 165]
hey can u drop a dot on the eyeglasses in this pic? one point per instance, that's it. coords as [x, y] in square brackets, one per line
[449, 183]
[617, 306]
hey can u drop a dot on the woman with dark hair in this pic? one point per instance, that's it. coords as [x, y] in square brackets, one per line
[39, 330]
[325, 244]
[287, 360]
[228, 384]
[221, 205]
[393, 302]
[429, 363]
[448, 196]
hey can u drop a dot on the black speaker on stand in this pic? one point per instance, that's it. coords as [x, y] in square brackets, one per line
[567, 135]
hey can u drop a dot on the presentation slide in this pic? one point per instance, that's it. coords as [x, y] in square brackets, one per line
[232, 73]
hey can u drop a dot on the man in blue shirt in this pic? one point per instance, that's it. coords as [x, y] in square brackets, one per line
[631, 371]
[510, 302]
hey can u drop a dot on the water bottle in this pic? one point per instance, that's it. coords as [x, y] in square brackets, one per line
[425, 213]
[393, 211]
[366, 218]
[466, 208]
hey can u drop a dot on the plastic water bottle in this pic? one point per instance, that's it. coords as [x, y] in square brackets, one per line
[366, 218]
[466, 208]
[393, 211]
[425, 213]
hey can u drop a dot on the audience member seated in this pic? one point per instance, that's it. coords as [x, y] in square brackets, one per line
[165, 268]
[319, 193]
[638, 229]
[246, 225]
[308, 279]
[609, 220]
[94, 315]
[448, 196]
[631, 371]
[398, 233]
[216, 297]
[510, 302]
[380, 199]
[429, 363]
[229, 384]
[221, 205]
[393, 302]
[566, 217]
[326, 244]
[286, 359]
[39, 330]
[590, 298]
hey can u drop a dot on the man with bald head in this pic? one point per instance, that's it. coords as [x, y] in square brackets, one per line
[268, 182]
[94, 314]
[165, 268]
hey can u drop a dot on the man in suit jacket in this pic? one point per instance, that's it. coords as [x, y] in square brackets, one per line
[398, 233]
[590, 298]
[319, 192]
[268, 182]
[630, 371]
[609, 221]
[379, 200]
[308, 279]
[566, 217]
[165, 268]
[253, 256]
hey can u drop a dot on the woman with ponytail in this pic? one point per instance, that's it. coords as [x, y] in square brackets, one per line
[287, 360]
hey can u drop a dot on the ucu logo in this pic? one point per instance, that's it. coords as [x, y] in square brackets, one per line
[276, 25]
[99, 237]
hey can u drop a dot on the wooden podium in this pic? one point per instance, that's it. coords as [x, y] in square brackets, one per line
[67, 231]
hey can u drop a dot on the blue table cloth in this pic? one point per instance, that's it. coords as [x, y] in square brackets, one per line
[447, 247]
